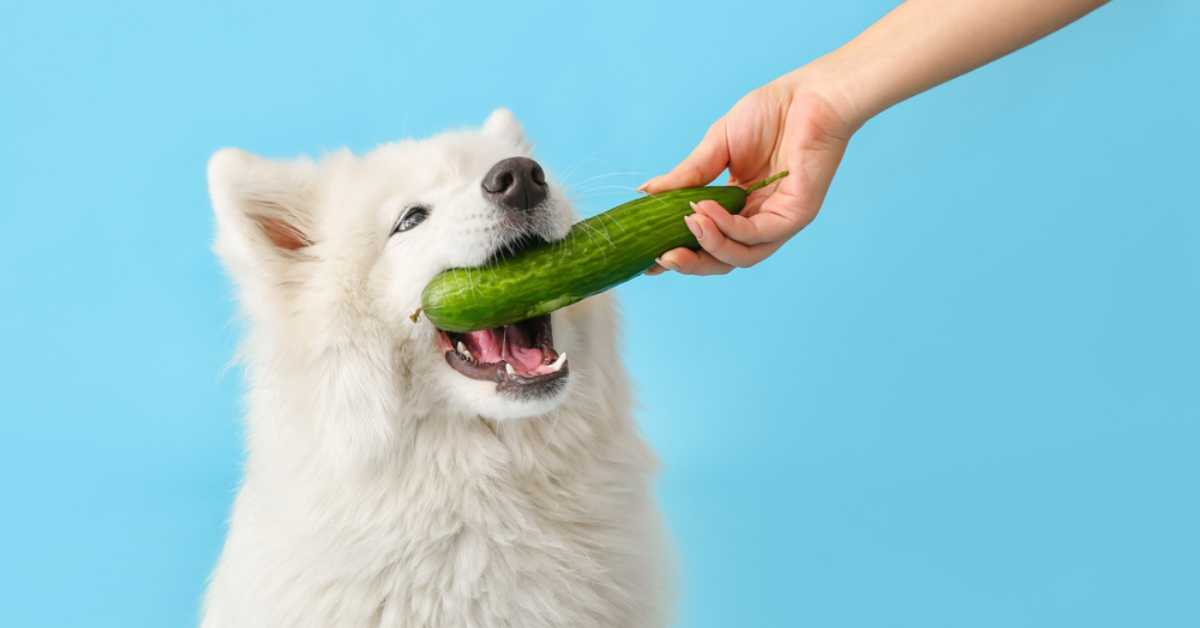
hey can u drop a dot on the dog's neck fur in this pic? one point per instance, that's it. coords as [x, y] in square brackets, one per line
[346, 409]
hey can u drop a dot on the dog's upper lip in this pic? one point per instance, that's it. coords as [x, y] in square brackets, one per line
[514, 246]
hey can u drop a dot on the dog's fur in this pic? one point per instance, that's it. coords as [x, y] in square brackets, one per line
[381, 487]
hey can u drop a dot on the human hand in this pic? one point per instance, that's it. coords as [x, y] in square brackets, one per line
[785, 125]
[802, 121]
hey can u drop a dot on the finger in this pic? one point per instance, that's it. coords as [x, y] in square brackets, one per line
[705, 162]
[785, 214]
[757, 228]
[691, 262]
[723, 248]
[655, 270]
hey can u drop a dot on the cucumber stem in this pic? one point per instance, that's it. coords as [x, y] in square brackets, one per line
[767, 181]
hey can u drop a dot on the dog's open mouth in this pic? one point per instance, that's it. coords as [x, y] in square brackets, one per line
[518, 357]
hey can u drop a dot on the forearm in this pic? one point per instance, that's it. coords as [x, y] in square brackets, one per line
[923, 43]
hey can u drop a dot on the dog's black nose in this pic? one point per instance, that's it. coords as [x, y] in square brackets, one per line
[515, 183]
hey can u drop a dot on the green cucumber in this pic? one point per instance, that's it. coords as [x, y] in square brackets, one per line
[597, 254]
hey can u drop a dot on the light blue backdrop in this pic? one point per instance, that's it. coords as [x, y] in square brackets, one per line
[968, 395]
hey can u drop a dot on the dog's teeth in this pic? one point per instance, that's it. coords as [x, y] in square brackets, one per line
[510, 370]
[462, 350]
[557, 364]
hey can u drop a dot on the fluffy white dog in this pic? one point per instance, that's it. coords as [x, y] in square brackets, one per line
[401, 476]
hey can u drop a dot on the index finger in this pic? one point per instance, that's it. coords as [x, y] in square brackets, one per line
[776, 219]
[702, 165]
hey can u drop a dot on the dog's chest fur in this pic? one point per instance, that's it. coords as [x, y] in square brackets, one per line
[546, 522]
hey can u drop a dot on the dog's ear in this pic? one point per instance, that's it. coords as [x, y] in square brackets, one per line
[503, 124]
[264, 213]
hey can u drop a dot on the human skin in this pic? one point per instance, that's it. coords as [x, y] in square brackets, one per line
[802, 121]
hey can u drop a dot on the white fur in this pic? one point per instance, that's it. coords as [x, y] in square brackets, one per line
[381, 487]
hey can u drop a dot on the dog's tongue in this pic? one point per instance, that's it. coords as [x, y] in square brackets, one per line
[484, 345]
[509, 343]
[518, 350]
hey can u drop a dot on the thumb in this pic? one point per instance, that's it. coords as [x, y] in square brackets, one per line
[705, 162]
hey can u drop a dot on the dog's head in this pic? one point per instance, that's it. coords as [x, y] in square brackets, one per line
[331, 257]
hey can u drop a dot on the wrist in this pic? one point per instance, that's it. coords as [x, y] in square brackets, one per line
[826, 80]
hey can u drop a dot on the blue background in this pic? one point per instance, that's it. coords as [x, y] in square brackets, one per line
[966, 396]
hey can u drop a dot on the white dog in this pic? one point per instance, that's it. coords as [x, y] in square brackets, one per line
[402, 476]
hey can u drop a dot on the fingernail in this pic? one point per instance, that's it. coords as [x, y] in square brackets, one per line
[642, 187]
[694, 226]
[693, 205]
[660, 262]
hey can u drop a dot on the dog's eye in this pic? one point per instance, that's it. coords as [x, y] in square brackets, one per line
[411, 217]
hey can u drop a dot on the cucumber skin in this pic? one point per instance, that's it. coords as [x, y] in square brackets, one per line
[597, 254]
